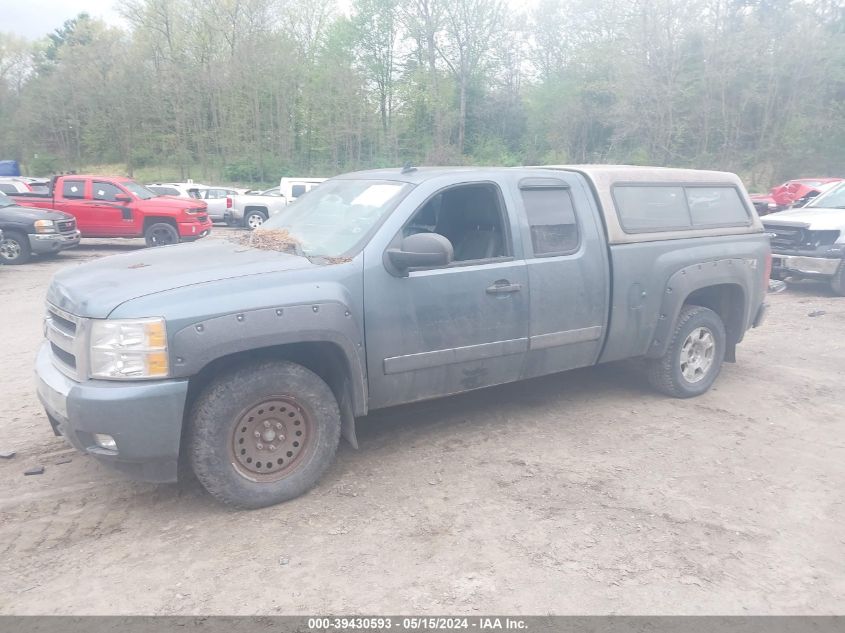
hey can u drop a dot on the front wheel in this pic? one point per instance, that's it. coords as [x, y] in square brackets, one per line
[15, 248]
[263, 433]
[161, 234]
[694, 357]
[837, 282]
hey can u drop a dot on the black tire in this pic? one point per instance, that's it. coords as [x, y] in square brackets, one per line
[218, 421]
[670, 375]
[837, 282]
[15, 248]
[161, 234]
[254, 218]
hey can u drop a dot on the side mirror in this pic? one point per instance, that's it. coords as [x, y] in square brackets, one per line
[428, 250]
[122, 197]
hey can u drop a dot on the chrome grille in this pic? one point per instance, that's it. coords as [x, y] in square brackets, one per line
[65, 333]
[785, 237]
[66, 226]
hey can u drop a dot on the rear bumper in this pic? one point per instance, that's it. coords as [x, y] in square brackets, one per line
[46, 243]
[803, 265]
[144, 418]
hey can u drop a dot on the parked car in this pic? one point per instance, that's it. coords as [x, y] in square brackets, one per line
[177, 189]
[25, 231]
[809, 242]
[21, 185]
[119, 207]
[386, 287]
[251, 211]
[793, 193]
[214, 197]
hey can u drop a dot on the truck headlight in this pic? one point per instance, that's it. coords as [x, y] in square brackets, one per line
[127, 349]
[45, 226]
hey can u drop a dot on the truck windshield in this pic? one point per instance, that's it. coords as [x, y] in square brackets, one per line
[832, 199]
[5, 201]
[332, 219]
[142, 192]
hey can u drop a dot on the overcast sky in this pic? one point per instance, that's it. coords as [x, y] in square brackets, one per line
[33, 19]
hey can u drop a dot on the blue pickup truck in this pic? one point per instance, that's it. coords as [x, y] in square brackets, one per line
[248, 359]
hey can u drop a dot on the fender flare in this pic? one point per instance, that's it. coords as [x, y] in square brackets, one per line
[196, 346]
[735, 271]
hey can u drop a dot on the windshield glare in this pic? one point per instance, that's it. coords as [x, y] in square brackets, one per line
[332, 219]
[832, 199]
[142, 192]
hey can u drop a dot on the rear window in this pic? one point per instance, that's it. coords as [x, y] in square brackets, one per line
[297, 190]
[647, 208]
[551, 216]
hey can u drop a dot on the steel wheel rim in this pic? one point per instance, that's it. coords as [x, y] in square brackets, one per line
[10, 249]
[271, 438]
[255, 220]
[161, 237]
[697, 354]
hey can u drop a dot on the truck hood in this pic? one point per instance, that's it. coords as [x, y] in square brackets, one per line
[815, 219]
[14, 213]
[172, 203]
[97, 288]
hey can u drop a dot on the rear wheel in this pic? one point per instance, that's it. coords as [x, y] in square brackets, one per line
[15, 248]
[254, 218]
[161, 234]
[263, 433]
[694, 357]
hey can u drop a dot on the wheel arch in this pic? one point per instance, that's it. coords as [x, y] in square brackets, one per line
[157, 219]
[722, 286]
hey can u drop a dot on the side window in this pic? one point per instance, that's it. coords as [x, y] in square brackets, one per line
[8, 188]
[716, 206]
[215, 194]
[651, 207]
[551, 216]
[470, 217]
[73, 189]
[297, 190]
[105, 191]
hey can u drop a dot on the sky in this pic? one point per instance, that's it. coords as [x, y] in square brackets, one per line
[34, 19]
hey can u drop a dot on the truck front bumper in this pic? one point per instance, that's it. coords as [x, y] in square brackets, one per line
[802, 265]
[144, 418]
[53, 243]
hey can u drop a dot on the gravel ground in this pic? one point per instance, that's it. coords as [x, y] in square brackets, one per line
[578, 493]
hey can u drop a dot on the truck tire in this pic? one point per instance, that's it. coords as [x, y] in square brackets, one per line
[694, 357]
[263, 433]
[15, 248]
[254, 218]
[837, 282]
[161, 234]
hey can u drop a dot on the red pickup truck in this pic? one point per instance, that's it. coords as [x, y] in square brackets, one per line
[120, 207]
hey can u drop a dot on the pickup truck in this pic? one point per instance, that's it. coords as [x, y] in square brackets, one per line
[120, 207]
[252, 210]
[248, 358]
[25, 231]
[809, 242]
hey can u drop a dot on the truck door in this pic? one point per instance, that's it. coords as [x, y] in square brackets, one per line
[111, 217]
[568, 273]
[445, 330]
[70, 198]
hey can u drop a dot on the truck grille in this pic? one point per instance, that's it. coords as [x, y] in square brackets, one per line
[785, 237]
[66, 226]
[64, 332]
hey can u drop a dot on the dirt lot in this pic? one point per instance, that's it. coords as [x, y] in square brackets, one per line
[578, 493]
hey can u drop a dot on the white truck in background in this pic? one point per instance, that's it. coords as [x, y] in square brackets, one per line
[250, 211]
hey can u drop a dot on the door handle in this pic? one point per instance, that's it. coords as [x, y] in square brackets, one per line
[503, 287]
